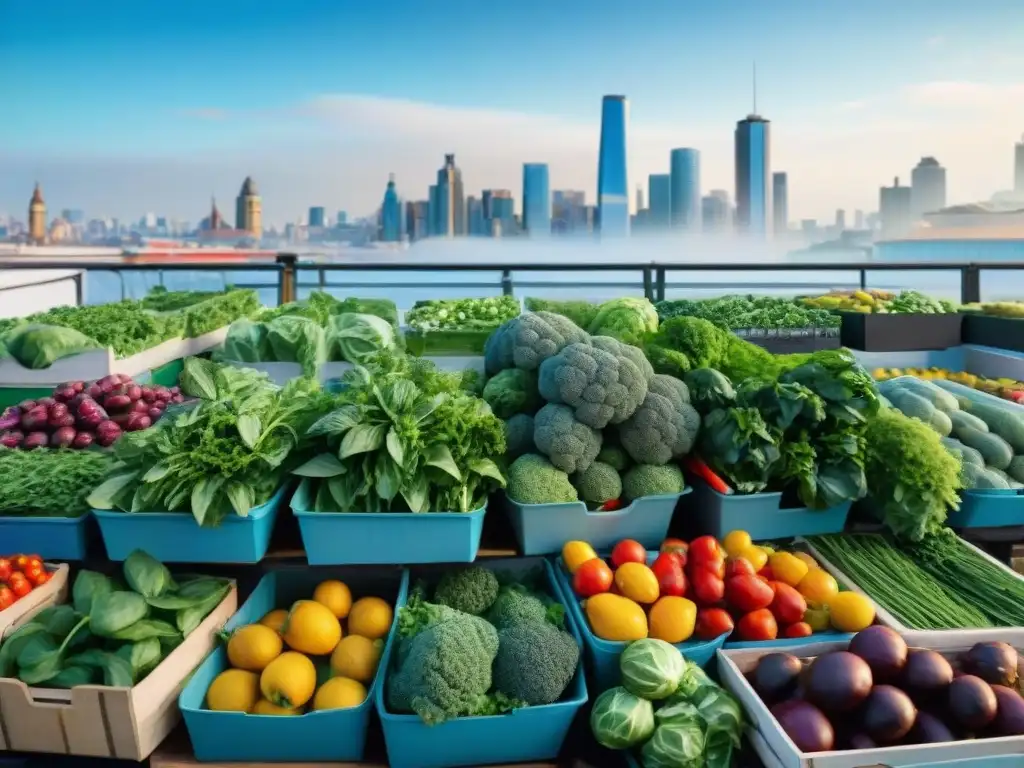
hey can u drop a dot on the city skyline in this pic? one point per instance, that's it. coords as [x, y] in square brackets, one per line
[175, 111]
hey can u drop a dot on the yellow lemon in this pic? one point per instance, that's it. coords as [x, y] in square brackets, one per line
[233, 690]
[339, 693]
[335, 595]
[289, 680]
[254, 646]
[357, 657]
[312, 628]
[370, 617]
[851, 612]
[275, 619]
[264, 707]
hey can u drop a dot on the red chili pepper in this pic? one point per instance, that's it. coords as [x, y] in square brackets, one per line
[610, 506]
[697, 466]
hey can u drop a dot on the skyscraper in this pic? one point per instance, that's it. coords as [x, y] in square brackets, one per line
[476, 224]
[659, 199]
[684, 165]
[612, 178]
[451, 205]
[434, 211]
[249, 209]
[894, 209]
[391, 214]
[927, 187]
[37, 217]
[753, 174]
[1018, 167]
[714, 213]
[536, 200]
[317, 215]
[417, 219]
[780, 202]
[568, 211]
[639, 198]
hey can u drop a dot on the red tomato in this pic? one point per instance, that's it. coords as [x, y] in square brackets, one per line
[628, 551]
[6, 569]
[21, 562]
[42, 578]
[748, 593]
[7, 597]
[671, 579]
[715, 566]
[707, 588]
[800, 629]
[592, 578]
[20, 587]
[712, 623]
[32, 572]
[739, 567]
[678, 546]
[788, 606]
[705, 548]
[33, 561]
[758, 625]
[767, 572]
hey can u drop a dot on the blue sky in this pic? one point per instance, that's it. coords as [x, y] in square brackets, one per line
[136, 107]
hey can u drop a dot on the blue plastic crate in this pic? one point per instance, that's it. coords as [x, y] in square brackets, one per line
[542, 529]
[371, 538]
[759, 514]
[988, 509]
[603, 655]
[175, 537]
[528, 734]
[336, 735]
[52, 538]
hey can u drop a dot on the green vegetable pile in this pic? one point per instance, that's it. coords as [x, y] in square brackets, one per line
[586, 417]
[403, 436]
[112, 633]
[628, 319]
[225, 454]
[667, 710]
[484, 645]
[462, 314]
[50, 483]
[735, 313]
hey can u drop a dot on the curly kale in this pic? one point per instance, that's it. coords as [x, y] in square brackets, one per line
[704, 344]
[650, 480]
[535, 662]
[601, 388]
[532, 479]
[668, 361]
[663, 427]
[600, 483]
[512, 391]
[569, 444]
[472, 589]
[519, 436]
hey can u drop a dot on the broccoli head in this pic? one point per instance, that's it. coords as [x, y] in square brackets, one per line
[517, 605]
[535, 662]
[417, 614]
[532, 479]
[446, 672]
[662, 428]
[649, 480]
[671, 387]
[471, 590]
[598, 484]
[617, 348]
[614, 456]
[519, 436]
[536, 336]
[569, 444]
[498, 348]
[601, 388]
[512, 391]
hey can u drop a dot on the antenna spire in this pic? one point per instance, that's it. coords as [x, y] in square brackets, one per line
[755, 86]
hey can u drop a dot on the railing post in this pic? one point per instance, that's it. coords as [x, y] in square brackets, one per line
[286, 278]
[970, 284]
[659, 287]
[79, 289]
[648, 284]
[506, 282]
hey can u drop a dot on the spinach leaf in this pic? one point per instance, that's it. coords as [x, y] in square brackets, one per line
[58, 620]
[117, 671]
[202, 589]
[145, 629]
[47, 667]
[114, 612]
[71, 676]
[147, 575]
[188, 619]
[36, 648]
[13, 645]
[143, 656]
[88, 586]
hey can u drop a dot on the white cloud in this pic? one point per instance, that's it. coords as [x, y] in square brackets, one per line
[959, 94]
[935, 41]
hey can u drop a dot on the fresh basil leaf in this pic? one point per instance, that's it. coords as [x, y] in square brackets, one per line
[203, 495]
[487, 468]
[116, 611]
[336, 422]
[389, 478]
[241, 496]
[324, 465]
[440, 456]
[157, 472]
[249, 429]
[105, 496]
[417, 494]
[394, 445]
[147, 575]
[362, 438]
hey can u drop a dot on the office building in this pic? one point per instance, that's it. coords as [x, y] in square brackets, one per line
[659, 200]
[927, 188]
[37, 217]
[612, 178]
[684, 166]
[569, 211]
[434, 226]
[248, 209]
[894, 210]
[753, 175]
[390, 214]
[840, 219]
[476, 223]
[499, 206]
[450, 217]
[342, 219]
[714, 213]
[858, 219]
[780, 202]
[317, 217]
[417, 219]
[639, 198]
[536, 200]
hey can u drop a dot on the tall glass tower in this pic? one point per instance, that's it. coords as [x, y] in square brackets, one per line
[780, 202]
[536, 200]
[659, 199]
[451, 213]
[753, 176]
[612, 179]
[391, 214]
[684, 165]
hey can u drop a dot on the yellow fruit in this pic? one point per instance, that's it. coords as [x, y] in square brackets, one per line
[735, 542]
[275, 620]
[575, 554]
[812, 564]
[357, 657]
[637, 582]
[614, 617]
[787, 568]
[233, 690]
[289, 680]
[339, 693]
[756, 556]
[312, 628]
[254, 646]
[370, 617]
[264, 707]
[817, 617]
[767, 549]
[336, 596]
[672, 619]
[818, 586]
[851, 612]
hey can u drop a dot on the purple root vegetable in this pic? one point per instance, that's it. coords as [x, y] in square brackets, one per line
[63, 437]
[117, 402]
[178, 399]
[56, 412]
[95, 391]
[78, 386]
[36, 419]
[107, 433]
[12, 438]
[11, 418]
[141, 406]
[82, 440]
[35, 440]
[27, 405]
[67, 420]
[137, 422]
[134, 392]
[154, 414]
[148, 394]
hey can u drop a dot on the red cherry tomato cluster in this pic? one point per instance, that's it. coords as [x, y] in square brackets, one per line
[19, 575]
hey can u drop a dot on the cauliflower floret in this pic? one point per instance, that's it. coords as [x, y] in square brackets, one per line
[536, 336]
[519, 436]
[472, 589]
[601, 389]
[532, 479]
[512, 391]
[661, 429]
[569, 444]
[600, 483]
[647, 480]
[535, 662]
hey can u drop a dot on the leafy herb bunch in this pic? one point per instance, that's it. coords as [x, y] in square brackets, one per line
[404, 437]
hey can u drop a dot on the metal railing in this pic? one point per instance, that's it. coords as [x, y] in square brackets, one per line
[653, 278]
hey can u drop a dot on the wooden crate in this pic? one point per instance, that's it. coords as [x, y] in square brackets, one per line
[52, 592]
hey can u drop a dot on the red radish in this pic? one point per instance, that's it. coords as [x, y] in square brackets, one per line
[95, 391]
[121, 419]
[107, 433]
[160, 405]
[12, 438]
[137, 422]
[63, 437]
[175, 390]
[140, 406]
[108, 386]
[27, 405]
[35, 419]
[178, 399]
[78, 386]
[117, 402]
[154, 414]
[67, 420]
[45, 401]
[56, 412]
[35, 440]
[82, 440]
[134, 392]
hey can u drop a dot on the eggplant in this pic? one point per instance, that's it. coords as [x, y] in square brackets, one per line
[927, 674]
[971, 702]
[805, 724]
[1009, 711]
[883, 649]
[928, 729]
[838, 681]
[993, 662]
[11, 418]
[889, 714]
[776, 676]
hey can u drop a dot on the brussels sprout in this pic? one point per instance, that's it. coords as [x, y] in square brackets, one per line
[621, 720]
[674, 745]
[651, 668]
